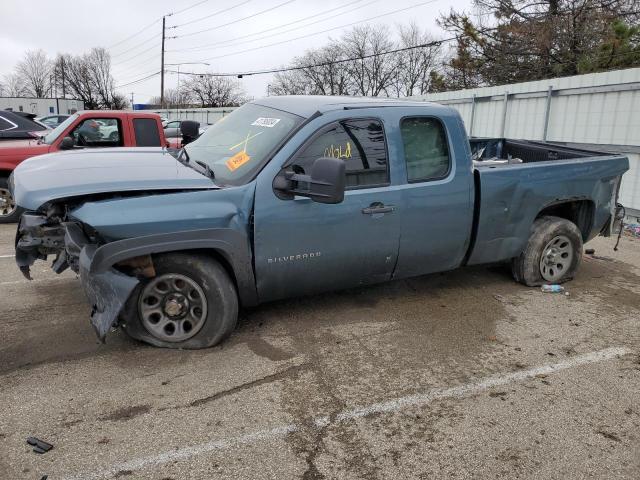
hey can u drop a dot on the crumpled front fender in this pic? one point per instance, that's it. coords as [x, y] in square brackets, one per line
[107, 292]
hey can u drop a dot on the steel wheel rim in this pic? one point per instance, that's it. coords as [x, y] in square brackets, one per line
[7, 203]
[556, 259]
[172, 307]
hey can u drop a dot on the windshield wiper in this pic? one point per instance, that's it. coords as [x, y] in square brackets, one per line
[207, 169]
[183, 157]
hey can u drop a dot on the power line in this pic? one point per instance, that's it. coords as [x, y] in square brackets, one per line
[238, 20]
[187, 8]
[212, 15]
[320, 32]
[144, 42]
[153, 23]
[120, 62]
[138, 80]
[134, 70]
[131, 75]
[135, 34]
[204, 47]
[322, 64]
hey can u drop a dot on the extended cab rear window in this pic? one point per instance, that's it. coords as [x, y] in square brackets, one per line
[146, 131]
[426, 151]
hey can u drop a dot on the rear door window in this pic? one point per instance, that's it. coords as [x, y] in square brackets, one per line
[426, 150]
[359, 142]
[146, 131]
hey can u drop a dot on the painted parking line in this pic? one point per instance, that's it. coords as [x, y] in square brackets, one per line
[390, 406]
[7, 256]
[37, 280]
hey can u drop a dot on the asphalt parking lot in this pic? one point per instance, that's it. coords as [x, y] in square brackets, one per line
[459, 375]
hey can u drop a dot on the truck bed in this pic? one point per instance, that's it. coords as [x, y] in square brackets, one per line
[516, 180]
[502, 151]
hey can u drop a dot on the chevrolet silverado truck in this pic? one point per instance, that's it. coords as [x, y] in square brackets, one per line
[90, 129]
[292, 196]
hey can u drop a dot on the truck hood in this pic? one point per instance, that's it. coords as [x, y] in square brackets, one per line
[44, 178]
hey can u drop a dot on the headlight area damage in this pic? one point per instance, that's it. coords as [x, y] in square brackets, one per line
[75, 247]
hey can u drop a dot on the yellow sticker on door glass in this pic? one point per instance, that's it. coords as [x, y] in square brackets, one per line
[238, 160]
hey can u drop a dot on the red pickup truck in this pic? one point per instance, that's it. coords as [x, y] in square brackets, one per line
[89, 129]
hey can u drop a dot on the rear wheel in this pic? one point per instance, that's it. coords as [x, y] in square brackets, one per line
[191, 303]
[9, 211]
[552, 255]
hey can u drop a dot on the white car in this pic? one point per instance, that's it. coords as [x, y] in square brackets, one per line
[109, 129]
[52, 121]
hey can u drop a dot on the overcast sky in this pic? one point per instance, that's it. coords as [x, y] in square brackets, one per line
[131, 30]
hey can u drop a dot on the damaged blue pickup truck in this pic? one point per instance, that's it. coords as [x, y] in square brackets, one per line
[290, 196]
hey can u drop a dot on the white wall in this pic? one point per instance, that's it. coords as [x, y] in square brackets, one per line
[41, 106]
[602, 109]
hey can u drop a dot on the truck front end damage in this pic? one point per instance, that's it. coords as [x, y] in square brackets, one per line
[74, 246]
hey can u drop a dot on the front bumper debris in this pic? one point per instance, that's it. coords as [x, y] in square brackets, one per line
[106, 291]
[37, 237]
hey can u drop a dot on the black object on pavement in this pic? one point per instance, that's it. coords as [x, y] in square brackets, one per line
[39, 446]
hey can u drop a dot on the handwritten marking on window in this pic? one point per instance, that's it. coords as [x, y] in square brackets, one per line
[245, 141]
[338, 151]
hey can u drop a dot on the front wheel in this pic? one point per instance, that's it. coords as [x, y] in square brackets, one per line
[552, 254]
[9, 211]
[191, 303]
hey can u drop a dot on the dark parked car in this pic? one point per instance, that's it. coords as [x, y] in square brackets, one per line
[16, 125]
[172, 129]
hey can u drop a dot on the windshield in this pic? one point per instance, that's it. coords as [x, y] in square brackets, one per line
[53, 135]
[237, 146]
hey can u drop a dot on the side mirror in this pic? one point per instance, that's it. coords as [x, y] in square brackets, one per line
[67, 143]
[326, 183]
[190, 130]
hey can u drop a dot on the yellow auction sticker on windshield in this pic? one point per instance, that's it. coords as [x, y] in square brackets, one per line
[237, 160]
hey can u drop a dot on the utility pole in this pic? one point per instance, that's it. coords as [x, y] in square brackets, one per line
[162, 66]
[132, 101]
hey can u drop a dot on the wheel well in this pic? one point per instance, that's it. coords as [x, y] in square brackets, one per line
[580, 212]
[216, 254]
[5, 173]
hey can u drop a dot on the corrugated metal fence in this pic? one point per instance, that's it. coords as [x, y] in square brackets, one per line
[205, 116]
[601, 110]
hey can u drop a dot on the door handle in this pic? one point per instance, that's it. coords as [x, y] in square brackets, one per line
[375, 208]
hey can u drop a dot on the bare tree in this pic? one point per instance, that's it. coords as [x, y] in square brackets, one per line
[174, 98]
[212, 91]
[415, 65]
[328, 77]
[88, 78]
[371, 71]
[293, 82]
[36, 72]
[13, 85]
[365, 61]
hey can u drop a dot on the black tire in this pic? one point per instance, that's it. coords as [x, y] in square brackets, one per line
[219, 290]
[527, 268]
[6, 217]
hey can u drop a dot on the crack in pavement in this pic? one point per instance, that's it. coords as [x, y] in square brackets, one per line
[384, 407]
